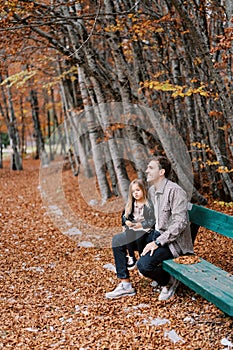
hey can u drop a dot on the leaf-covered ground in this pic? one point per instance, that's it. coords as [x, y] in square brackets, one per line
[52, 289]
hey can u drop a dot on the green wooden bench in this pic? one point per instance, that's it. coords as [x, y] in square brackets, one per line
[206, 279]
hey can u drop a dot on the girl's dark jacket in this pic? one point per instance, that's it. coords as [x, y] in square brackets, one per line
[148, 213]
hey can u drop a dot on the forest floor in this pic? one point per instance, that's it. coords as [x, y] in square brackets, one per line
[55, 273]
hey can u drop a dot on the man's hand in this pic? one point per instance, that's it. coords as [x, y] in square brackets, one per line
[150, 247]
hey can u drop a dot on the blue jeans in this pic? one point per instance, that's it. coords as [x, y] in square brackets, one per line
[149, 266]
[136, 241]
[120, 244]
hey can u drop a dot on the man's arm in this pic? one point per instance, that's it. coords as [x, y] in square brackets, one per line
[178, 218]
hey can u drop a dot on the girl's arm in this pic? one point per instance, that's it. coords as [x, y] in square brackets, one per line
[127, 221]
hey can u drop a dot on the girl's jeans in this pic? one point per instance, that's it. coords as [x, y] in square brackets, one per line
[135, 240]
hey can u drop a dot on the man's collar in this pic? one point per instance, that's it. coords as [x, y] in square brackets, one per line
[161, 186]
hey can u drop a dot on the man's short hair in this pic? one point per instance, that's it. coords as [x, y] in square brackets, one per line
[164, 163]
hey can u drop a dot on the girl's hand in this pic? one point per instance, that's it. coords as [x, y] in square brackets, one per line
[138, 225]
[129, 223]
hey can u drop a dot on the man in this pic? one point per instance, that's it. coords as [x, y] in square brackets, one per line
[170, 206]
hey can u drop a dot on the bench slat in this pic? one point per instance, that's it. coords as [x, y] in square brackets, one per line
[206, 279]
[212, 220]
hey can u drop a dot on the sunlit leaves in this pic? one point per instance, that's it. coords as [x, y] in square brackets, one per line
[224, 169]
[19, 79]
[69, 73]
[209, 162]
[224, 204]
[177, 90]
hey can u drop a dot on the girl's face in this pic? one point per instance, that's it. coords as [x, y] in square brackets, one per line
[137, 193]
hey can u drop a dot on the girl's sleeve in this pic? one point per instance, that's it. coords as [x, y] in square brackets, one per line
[123, 218]
[149, 216]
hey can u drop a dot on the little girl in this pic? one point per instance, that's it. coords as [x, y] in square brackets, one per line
[137, 219]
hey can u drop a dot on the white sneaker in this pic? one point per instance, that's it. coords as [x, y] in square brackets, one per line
[131, 262]
[169, 290]
[120, 291]
[154, 284]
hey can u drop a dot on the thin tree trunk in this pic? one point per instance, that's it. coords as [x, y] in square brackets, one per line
[51, 157]
[40, 149]
[69, 128]
[23, 150]
[56, 124]
[16, 159]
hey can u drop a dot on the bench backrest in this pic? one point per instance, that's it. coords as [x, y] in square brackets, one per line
[211, 219]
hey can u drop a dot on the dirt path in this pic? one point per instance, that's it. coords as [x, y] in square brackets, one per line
[52, 289]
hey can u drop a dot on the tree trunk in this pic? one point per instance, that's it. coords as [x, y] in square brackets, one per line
[56, 125]
[70, 129]
[176, 151]
[16, 159]
[40, 149]
[23, 141]
[97, 149]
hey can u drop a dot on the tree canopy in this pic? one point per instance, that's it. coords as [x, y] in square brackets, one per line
[167, 63]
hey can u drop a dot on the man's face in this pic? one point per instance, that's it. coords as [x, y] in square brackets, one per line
[154, 174]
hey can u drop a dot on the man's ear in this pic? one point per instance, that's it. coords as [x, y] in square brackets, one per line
[162, 172]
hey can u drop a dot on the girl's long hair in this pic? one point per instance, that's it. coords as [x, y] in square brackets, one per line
[129, 204]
